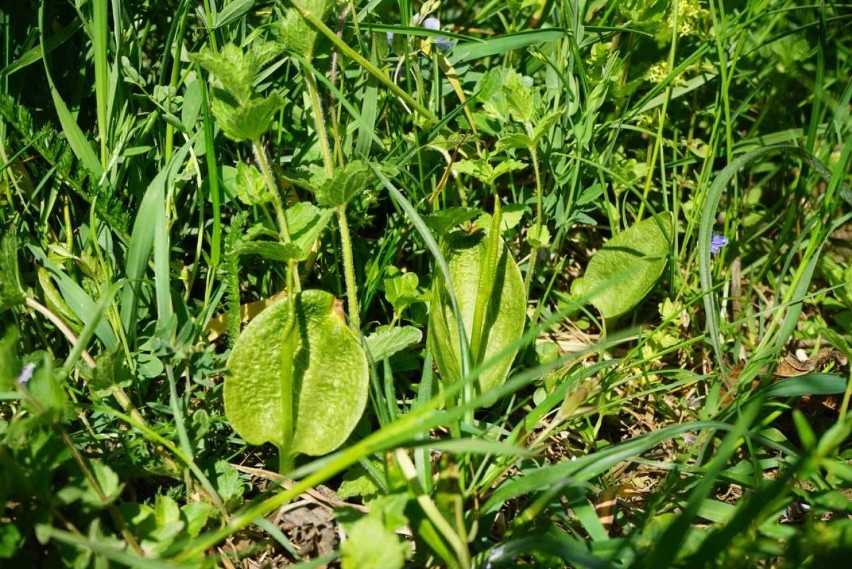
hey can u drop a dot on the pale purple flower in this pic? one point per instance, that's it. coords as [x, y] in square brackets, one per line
[717, 243]
[434, 24]
[26, 375]
[430, 23]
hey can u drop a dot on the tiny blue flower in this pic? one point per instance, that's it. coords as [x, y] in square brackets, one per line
[717, 243]
[441, 42]
[390, 38]
[26, 375]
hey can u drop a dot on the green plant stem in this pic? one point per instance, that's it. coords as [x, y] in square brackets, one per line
[349, 269]
[343, 224]
[288, 348]
[539, 201]
[319, 123]
[283, 227]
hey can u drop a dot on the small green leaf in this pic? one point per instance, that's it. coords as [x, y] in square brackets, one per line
[306, 222]
[483, 171]
[514, 140]
[108, 482]
[373, 546]
[345, 185]
[539, 239]
[445, 220]
[518, 91]
[358, 483]
[232, 67]
[248, 119]
[511, 217]
[269, 250]
[10, 540]
[330, 377]
[625, 269]
[401, 289]
[386, 342]
[504, 316]
[251, 188]
[229, 484]
[296, 33]
[545, 123]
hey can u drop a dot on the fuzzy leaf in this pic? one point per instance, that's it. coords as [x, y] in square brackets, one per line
[632, 261]
[329, 375]
[251, 189]
[307, 222]
[519, 96]
[345, 185]
[296, 33]
[246, 120]
[504, 316]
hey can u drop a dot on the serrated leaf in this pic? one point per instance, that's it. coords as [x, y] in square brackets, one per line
[306, 222]
[504, 316]
[445, 220]
[246, 120]
[229, 484]
[545, 123]
[329, 377]
[232, 67]
[386, 342]
[626, 268]
[251, 188]
[518, 92]
[296, 33]
[344, 185]
[514, 140]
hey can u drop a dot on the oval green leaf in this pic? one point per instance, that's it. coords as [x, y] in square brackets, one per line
[625, 269]
[505, 314]
[329, 377]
